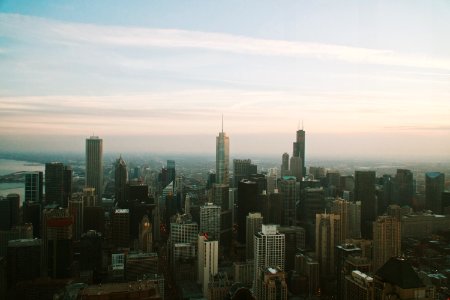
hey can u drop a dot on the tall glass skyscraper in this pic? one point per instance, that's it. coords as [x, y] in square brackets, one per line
[94, 165]
[121, 179]
[299, 149]
[222, 157]
[34, 186]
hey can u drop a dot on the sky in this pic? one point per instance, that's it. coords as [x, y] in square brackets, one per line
[366, 78]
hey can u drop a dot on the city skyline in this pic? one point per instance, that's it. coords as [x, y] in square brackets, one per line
[368, 79]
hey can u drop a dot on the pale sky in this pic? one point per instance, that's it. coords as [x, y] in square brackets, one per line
[368, 78]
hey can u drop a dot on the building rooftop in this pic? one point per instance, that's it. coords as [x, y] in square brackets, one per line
[110, 288]
[24, 243]
[399, 272]
[433, 174]
[142, 255]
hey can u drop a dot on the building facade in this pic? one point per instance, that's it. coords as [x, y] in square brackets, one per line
[94, 164]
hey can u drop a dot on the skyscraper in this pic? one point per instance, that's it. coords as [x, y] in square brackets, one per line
[9, 211]
[269, 251]
[285, 165]
[254, 224]
[296, 167]
[342, 208]
[57, 238]
[207, 261]
[386, 240]
[220, 195]
[120, 228]
[328, 232]
[210, 220]
[76, 210]
[120, 180]
[404, 187]
[34, 186]
[434, 186]
[171, 170]
[58, 183]
[222, 157]
[365, 192]
[94, 165]
[287, 188]
[24, 260]
[299, 149]
[247, 202]
[242, 169]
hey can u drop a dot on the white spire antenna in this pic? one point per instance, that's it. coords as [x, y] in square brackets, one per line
[222, 123]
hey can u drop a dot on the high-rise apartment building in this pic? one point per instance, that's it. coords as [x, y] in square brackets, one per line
[269, 251]
[253, 225]
[341, 207]
[386, 240]
[354, 220]
[222, 157]
[434, 186]
[328, 232]
[183, 230]
[34, 187]
[207, 262]
[288, 193]
[210, 221]
[120, 181]
[94, 165]
[365, 192]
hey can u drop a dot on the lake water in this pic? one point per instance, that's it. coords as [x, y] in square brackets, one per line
[8, 166]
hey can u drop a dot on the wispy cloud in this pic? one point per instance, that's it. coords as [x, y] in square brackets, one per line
[419, 128]
[27, 27]
[198, 112]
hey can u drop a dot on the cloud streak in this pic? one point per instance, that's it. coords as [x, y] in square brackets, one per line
[26, 27]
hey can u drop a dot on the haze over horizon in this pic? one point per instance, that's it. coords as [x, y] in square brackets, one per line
[369, 79]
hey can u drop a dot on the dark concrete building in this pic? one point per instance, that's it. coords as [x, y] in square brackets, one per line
[365, 192]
